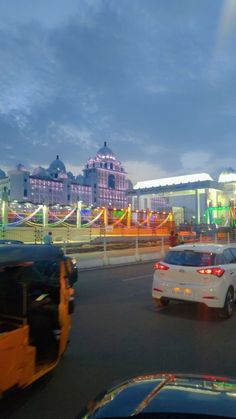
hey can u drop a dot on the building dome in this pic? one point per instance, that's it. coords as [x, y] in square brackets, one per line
[41, 172]
[21, 168]
[105, 152]
[2, 174]
[228, 175]
[56, 167]
[70, 175]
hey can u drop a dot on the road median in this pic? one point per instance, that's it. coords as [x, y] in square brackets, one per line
[106, 260]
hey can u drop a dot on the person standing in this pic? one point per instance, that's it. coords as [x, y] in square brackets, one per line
[178, 241]
[47, 239]
[172, 239]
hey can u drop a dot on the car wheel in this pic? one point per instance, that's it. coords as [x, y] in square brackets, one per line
[162, 302]
[228, 309]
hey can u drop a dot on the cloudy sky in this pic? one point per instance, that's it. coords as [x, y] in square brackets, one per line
[156, 79]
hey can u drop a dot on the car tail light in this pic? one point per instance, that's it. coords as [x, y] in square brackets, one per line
[160, 267]
[218, 271]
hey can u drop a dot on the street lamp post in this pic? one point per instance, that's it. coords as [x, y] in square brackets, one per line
[45, 216]
[78, 216]
[4, 207]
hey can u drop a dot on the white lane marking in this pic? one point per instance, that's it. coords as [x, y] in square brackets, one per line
[137, 277]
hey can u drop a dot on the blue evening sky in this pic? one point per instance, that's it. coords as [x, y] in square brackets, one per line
[156, 79]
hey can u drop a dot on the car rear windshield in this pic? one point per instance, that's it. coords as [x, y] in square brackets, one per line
[192, 258]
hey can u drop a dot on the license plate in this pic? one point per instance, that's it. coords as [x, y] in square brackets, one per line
[182, 291]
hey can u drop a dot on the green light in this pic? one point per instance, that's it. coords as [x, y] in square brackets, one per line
[218, 208]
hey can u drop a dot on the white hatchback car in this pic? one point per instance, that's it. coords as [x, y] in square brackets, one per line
[202, 273]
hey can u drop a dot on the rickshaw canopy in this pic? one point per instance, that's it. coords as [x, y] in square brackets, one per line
[16, 254]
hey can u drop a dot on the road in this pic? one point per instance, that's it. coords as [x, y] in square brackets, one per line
[117, 333]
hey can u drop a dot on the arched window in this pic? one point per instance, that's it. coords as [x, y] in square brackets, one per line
[111, 182]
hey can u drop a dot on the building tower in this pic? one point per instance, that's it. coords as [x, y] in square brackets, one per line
[106, 176]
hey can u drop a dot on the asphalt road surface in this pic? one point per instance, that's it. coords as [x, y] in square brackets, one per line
[117, 333]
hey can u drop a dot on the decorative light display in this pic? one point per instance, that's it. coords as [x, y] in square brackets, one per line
[221, 215]
[23, 220]
[65, 217]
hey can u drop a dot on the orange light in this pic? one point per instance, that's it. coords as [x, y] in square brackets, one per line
[187, 291]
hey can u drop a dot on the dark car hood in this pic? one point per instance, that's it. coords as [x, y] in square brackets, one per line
[167, 393]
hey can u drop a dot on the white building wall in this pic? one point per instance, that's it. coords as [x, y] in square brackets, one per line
[19, 186]
[187, 201]
[4, 183]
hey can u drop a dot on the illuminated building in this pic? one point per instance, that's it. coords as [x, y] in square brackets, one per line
[107, 178]
[4, 183]
[193, 198]
[192, 194]
[103, 183]
[50, 186]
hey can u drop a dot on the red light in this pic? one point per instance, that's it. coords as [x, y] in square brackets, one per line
[218, 271]
[160, 266]
[210, 297]
[215, 378]
[157, 289]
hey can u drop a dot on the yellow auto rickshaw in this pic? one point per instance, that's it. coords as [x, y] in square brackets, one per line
[36, 303]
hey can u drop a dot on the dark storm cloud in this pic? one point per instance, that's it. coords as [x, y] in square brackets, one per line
[149, 77]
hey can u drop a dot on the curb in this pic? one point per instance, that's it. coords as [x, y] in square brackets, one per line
[95, 268]
[115, 262]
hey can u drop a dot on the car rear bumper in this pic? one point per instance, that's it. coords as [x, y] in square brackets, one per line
[211, 296]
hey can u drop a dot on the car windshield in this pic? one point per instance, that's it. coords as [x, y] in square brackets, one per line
[190, 258]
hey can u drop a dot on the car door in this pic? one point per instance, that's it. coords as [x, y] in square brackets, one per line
[229, 255]
[233, 267]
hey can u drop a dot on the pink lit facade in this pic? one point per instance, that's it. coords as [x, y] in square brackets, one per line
[50, 186]
[43, 190]
[39, 191]
[107, 179]
[104, 183]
